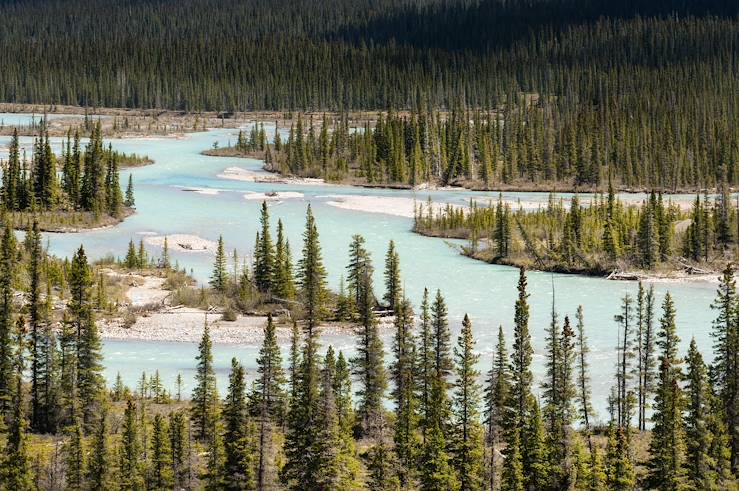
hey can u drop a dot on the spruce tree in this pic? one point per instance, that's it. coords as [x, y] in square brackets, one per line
[130, 200]
[403, 374]
[7, 312]
[392, 277]
[667, 447]
[99, 464]
[15, 471]
[74, 453]
[283, 284]
[707, 456]
[369, 365]
[269, 394]
[497, 399]
[130, 475]
[90, 382]
[204, 412]
[264, 255]
[312, 276]
[468, 434]
[726, 357]
[238, 468]
[219, 277]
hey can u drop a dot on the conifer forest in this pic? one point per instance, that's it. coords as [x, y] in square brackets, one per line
[339, 245]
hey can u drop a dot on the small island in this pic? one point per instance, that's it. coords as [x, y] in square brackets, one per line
[77, 190]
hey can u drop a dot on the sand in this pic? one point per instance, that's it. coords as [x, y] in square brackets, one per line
[245, 175]
[387, 205]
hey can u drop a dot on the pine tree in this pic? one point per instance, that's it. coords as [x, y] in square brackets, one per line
[7, 311]
[583, 376]
[15, 472]
[667, 447]
[707, 453]
[204, 412]
[404, 393]
[179, 445]
[160, 472]
[264, 255]
[521, 376]
[726, 359]
[497, 399]
[425, 362]
[468, 444]
[219, 277]
[130, 476]
[312, 276]
[392, 277]
[74, 450]
[283, 284]
[269, 394]
[130, 200]
[90, 382]
[238, 469]
[98, 467]
[369, 365]
[132, 259]
[513, 476]
[619, 468]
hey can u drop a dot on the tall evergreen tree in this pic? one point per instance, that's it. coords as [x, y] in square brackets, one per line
[392, 277]
[726, 358]
[667, 447]
[90, 382]
[264, 255]
[238, 469]
[204, 412]
[312, 275]
[468, 439]
[219, 277]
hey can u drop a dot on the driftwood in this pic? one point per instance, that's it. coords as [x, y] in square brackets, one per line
[694, 270]
[625, 276]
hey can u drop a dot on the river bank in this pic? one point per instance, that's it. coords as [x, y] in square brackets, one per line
[151, 315]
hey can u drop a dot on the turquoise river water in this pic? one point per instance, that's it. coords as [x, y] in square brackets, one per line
[486, 292]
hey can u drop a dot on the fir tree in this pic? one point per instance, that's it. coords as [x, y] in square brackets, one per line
[497, 399]
[726, 360]
[7, 277]
[404, 393]
[90, 382]
[130, 476]
[160, 472]
[269, 393]
[219, 277]
[667, 447]
[468, 444]
[238, 468]
[74, 450]
[204, 410]
[312, 275]
[98, 467]
[392, 277]
[264, 255]
[130, 200]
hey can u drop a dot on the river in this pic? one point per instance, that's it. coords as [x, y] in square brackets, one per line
[486, 292]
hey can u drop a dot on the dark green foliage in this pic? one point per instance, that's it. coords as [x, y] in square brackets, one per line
[219, 277]
[204, 411]
[90, 381]
[238, 467]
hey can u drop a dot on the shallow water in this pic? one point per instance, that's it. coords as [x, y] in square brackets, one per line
[486, 292]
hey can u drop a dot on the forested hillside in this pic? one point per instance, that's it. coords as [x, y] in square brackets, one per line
[566, 89]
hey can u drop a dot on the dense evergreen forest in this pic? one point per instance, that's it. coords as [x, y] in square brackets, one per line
[600, 237]
[320, 420]
[567, 90]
